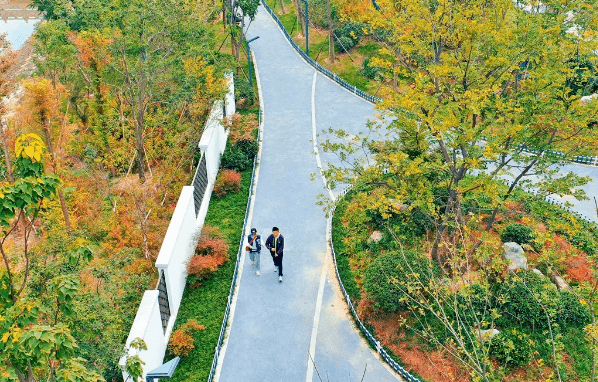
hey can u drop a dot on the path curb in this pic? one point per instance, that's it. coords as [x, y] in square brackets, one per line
[234, 292]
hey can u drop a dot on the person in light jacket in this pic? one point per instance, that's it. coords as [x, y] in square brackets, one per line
[275, 244]
[254, 246]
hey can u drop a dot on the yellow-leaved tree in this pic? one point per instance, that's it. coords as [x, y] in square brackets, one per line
[483, 95]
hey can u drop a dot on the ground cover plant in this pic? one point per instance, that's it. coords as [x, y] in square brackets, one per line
[435, 321]
[205, 300]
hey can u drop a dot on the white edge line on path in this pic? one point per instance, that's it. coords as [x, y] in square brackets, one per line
[314, 330]
[248, 227]
[312, 347]
[308, 64]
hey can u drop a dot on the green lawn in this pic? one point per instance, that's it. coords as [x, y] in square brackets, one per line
[207, 303]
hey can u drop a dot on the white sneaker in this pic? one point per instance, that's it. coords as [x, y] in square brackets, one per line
[280, 278]
[257, 273]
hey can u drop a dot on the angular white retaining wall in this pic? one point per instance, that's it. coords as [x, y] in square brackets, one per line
[179, 244]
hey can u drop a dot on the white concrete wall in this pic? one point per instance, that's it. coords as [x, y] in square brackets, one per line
[213, 140]
[179, 242]
[148, 326]
[177, 248]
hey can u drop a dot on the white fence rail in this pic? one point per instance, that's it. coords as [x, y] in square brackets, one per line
[158, 310]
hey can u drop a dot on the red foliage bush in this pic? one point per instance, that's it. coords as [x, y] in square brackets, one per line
[212, 246]
[227, 181]
[180, 343]
[211, 252]
[181, 340]
[191, 326]
[203, 266]
[579, 269]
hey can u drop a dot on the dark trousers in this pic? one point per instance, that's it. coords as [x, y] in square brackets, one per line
[278, 262]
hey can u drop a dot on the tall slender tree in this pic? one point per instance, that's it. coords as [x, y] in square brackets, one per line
[485, 84]
[7, 61]
[42, 100]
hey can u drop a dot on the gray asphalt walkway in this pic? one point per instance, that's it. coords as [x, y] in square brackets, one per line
[271, 333]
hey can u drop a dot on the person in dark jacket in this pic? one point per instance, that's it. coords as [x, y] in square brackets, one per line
[275, 243]
[254, 246]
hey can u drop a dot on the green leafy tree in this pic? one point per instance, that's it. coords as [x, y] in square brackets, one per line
[22, 200]
[29, 347]
[483, 83]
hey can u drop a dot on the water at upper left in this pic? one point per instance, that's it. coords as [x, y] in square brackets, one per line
[18, 21]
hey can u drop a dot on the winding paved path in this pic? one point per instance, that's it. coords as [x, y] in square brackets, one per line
[276, 326]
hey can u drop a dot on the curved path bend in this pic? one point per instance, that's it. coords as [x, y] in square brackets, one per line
[277, 327]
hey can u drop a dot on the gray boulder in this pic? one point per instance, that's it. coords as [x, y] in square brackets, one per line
[538, 272]
[514, 253]
[399, 205]
[487, 334]
[376, 236]
[559, 282]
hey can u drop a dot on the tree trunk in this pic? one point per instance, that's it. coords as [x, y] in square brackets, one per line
[394, 77]
[65, 211]
[330, 33]
[139, 143]
[282, 6]
[300, 18]
[103, 125]
[223, 17]
[11, 178]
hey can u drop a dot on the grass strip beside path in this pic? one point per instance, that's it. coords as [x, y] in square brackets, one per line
[207, 303]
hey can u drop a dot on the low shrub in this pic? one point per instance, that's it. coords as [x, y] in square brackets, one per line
[244, 91]
[211, 242]
[584, 241]
[210, 253]
[368, 70]
[512, 347]
[249, 146]
[227, 181]
[527, 300]
[181, 340]
[202, 266]
[517, 233]
[381, 34]
[180, 343]
[234, 159]
[388, 278]
[348, 35]
[344, 43]
[239, 156]
[571, 312]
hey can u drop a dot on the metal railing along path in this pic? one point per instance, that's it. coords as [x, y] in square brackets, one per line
[234, 279]
[371, 339]
[582, 159]
[352, 88]
[559, 155]
[550, 200]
